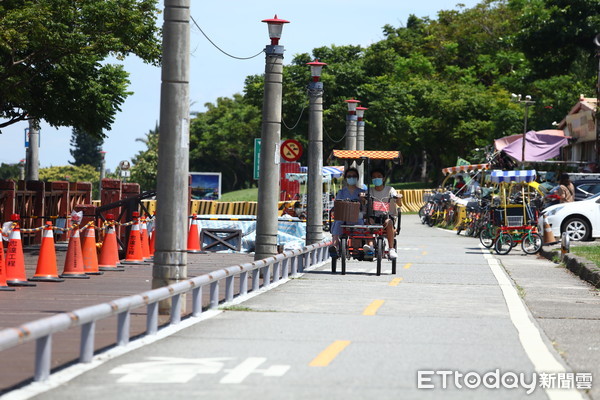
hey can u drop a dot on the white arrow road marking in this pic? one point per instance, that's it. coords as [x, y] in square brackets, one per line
[168, 369]
[249, 366]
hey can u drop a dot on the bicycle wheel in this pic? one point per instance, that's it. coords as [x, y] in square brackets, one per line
[531, 243]
[380, 251]
[343, 255]
[333, 264]
[504, 243]
[486, 238]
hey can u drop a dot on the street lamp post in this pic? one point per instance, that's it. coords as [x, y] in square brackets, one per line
[268, 183]
[527, 103]
[360, 139]
[597, 43]
[170, 257]
[314, 220]
[351, 124]
[32, 163]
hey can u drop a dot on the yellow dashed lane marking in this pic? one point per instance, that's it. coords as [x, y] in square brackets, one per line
[373, 307]
[395, 281]
[329, 354]
[407, 266]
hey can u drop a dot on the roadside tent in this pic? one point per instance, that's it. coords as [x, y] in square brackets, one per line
[538, 146]
[334, 171]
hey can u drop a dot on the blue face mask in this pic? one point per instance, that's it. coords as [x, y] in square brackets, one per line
[377, 181]
[352, 181]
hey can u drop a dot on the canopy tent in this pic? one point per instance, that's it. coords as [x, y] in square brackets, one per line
[501, 143]
[539, 146]
[332, 171]
[465, 168]
[374, 155]
[303, 177]
[527, 176]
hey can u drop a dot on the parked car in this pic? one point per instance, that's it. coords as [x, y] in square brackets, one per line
[584, 188]
[579, 219]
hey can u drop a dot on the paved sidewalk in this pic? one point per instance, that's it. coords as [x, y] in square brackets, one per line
[346, 337]
[567, 309]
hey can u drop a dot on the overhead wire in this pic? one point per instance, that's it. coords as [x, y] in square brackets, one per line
[218, 48]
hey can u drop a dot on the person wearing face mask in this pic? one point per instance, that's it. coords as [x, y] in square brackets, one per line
[350, 192]
[385, 194]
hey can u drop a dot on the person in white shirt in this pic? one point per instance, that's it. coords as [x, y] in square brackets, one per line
[383, 197]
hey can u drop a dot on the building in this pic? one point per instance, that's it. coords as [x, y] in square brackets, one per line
[580, 124]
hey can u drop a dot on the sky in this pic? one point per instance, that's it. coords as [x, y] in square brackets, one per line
[235, 26]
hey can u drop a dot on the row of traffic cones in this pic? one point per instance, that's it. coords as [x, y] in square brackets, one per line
[81, 261]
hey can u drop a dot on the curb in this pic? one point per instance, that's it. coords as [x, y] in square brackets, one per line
[584, 269]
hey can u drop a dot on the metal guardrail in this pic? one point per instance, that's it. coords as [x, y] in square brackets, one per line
[41, 330]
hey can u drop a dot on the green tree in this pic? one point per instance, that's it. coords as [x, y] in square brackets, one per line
[145, 162]
[71, 173]
[10, 171]
[52, 56]
[221, 140]
[86, 149]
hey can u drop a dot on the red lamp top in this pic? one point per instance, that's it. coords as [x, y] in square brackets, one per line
[275, 28]
[360, 111]
[352, 104]
[315, 69]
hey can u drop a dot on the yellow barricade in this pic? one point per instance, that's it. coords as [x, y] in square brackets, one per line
[221, 208]
[150, 206]
[202, 207]
[237, 208]
[251, 208]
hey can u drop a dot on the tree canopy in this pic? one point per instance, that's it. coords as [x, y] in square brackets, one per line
[52, 58]
[435, 87]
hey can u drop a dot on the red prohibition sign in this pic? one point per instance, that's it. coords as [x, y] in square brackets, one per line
[291, 150]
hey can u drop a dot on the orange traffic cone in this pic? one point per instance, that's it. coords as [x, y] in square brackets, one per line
[109, 254]
[46, 270]
[134, 247]
[74, 260]
[90, 257]
[145, 241]
[15, 262]
[152, 245]
[193, 244]
[548, 235]
[3, 285]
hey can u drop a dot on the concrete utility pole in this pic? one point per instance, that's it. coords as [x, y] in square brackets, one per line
[32, 164]
[268, 183]
[102, 173]
[360, 141]
[314, 218]
[170, 258]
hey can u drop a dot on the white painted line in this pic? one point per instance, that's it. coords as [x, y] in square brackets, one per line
[243, 370]
[542, 358]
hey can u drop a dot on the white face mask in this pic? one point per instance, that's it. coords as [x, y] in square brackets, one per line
[352, 181]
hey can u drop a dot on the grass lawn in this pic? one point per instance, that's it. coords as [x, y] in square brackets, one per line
[241, 195]
[591, 253]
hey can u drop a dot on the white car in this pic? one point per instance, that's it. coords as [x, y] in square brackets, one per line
[580, 219]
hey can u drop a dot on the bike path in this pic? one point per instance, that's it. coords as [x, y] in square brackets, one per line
[342, 337]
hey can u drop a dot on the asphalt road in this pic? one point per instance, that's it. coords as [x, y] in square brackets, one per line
[451, 309]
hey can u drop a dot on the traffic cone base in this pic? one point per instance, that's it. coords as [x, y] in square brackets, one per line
[48, 278]
[115, 268]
